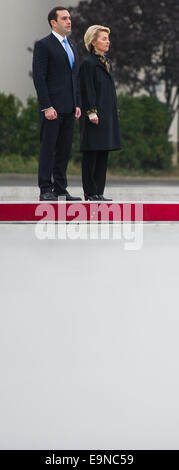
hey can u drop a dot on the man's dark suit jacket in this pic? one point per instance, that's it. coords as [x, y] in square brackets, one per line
[56, 83]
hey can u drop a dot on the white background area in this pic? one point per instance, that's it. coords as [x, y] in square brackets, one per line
[22, 23]
[89, 341]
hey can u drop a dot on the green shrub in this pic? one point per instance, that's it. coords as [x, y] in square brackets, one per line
[145, 142]
[143, 120]
[10, 108]
[15, 163]
[29, 129]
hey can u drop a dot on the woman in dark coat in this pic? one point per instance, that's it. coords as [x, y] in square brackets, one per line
[99, 125]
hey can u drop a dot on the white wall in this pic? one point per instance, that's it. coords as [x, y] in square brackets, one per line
[21, 23]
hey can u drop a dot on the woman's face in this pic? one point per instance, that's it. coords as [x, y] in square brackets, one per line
[101, 45]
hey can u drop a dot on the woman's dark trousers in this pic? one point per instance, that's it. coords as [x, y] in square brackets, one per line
[94, 167]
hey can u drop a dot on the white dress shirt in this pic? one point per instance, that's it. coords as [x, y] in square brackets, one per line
[60, 38]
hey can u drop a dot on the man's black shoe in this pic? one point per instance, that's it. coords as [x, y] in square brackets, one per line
[67, 196]
[102, 198]
[91, 198]
[48, 196]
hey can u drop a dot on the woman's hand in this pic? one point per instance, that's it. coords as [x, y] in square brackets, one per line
[95, 121]
[94, 118]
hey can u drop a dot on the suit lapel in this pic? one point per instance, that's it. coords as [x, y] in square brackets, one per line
[61, 48]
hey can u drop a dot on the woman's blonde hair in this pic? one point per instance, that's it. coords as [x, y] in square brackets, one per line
[92, 34]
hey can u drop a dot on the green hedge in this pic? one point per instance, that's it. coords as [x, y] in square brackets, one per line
[143, 121]
[29, 124]
[15, 163]
[145, 142]
[19, 127]
[10, 109]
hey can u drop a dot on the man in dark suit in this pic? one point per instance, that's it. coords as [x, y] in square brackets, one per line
[55, 74]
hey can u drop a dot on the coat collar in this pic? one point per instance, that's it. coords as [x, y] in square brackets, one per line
[100, 64]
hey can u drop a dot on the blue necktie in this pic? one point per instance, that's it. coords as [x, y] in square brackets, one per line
[69, 52]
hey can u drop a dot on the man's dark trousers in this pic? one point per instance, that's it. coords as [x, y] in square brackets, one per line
[56, 142]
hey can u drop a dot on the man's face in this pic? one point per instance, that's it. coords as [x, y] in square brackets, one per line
[63, 24]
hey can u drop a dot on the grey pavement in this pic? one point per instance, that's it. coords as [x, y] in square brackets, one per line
[15, 179]
[24, 188]
[89, 341]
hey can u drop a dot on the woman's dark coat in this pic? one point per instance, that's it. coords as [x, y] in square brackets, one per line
[98, 92]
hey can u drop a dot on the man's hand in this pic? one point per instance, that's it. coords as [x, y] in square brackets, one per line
[51, 114]
[78, 113]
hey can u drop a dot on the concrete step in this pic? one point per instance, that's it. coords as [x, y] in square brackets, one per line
[117, 193]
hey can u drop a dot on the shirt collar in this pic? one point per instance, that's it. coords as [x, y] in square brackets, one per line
[60, 38]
